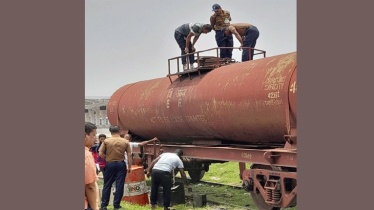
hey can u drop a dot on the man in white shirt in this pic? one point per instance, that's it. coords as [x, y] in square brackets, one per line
[161, 169]
[136, 144]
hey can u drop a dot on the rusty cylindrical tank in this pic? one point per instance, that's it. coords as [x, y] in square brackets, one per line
[252, 101]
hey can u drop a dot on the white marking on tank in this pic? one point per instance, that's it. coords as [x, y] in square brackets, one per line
[293, 88]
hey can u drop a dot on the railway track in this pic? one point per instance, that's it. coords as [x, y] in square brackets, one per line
[221, 196]
[224, 196]
[221, 205]
[193, 188]
[232, 197]
[219, 184]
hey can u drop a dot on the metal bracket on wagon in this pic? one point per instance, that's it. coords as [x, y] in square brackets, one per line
[276, 156]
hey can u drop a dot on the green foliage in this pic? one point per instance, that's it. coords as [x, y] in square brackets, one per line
[225, 173]
[128, 206]
[224, 193]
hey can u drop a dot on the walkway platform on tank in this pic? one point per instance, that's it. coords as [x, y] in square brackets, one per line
[206, 63]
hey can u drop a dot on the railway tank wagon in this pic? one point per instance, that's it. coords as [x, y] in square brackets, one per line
[243, 112]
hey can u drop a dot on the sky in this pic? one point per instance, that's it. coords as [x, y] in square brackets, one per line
[131, 41]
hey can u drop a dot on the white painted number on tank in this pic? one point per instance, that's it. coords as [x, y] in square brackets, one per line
[113, 103]
[181, 119]
[247, 155]
[273, 95]
[170, 92]
[181, 93]
[196, 118]
[293, 87]
[166, 119]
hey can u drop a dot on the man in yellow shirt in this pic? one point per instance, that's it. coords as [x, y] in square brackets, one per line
[221, 18]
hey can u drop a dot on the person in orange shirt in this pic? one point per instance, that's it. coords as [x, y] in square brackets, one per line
[91, 195]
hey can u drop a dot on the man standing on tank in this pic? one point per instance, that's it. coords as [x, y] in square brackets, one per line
[221, 18]
[161, 169]
[113, 150]
[183, 36]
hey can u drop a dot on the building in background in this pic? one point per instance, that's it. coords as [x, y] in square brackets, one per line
[95, 112]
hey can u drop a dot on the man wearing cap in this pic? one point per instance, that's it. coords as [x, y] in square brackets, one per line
[183, 36]
[247, 35]
[161, 169]
[221, 18]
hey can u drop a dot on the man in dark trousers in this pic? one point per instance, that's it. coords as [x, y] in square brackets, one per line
[246, 33]
[161, 169]
[183, 36]
[113, 150]
[221, 18]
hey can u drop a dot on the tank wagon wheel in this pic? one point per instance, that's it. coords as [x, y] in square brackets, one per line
[256, 196]
[196, 175]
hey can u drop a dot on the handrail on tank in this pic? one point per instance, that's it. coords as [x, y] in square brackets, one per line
[197, 69]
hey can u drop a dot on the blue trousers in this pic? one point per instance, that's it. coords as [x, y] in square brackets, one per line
[181, 40]
[250, 37]
[162, 178]
[224, 41]
[114, 171]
